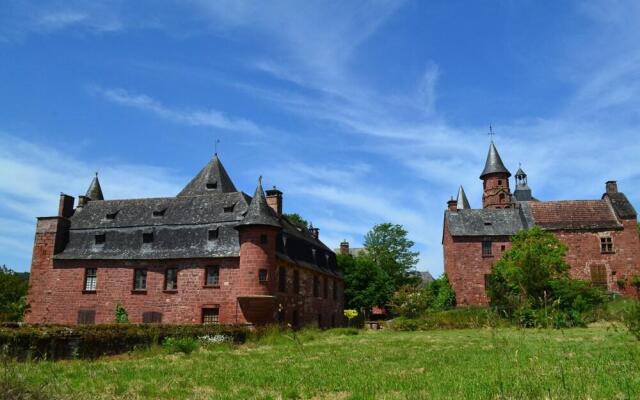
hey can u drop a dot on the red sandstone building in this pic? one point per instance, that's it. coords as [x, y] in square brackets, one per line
[603, 244]
[211, 254]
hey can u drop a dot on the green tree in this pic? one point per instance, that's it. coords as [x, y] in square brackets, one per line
[366, 285]
[297, 219]
[13, 294]
[389, 248]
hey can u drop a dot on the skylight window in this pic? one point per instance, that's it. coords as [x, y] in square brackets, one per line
[229, 209]
[112, 216]
[488, 224]
[147, 237]
[100, 238]
[212, 185]
[159, 213]
[214, 233]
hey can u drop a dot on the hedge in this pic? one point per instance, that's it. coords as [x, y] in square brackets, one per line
[92, 341]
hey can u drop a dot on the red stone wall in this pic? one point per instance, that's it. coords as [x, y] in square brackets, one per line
[56, 287]
[493, 186]
[466, 267]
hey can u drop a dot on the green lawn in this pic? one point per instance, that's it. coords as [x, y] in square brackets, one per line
[598, 363]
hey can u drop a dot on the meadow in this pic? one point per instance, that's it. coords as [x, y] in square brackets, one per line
[599, 362]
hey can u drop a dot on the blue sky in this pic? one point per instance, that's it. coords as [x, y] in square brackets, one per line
[360, 112]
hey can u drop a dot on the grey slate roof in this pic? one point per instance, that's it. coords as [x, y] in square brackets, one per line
[259, 212]
[95, 191]
[462, 201]
[488, 222]
[213, 178]
[621, 205]
[494, 163]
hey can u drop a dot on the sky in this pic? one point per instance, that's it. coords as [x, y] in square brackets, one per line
[361, 112]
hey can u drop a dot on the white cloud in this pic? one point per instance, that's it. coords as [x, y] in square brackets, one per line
[209, 118]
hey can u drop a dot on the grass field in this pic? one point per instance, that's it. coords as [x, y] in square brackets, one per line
[596, 363]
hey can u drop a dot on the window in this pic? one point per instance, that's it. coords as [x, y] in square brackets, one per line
[171, 279]
[487, 281]
[335, 290]
[214, 233]
[599, 276]
[606, 245]
[316, 286]
[159, 213]
[229, 209]
[140, 279]
[100, 238]
[296, 282]
[212, 185]
[147, 237]
[87, 317]
[263, 239]
[503, 247]
[111, 216]
[282, 279]
[263, 276]
[325, 287]
[151, 317]
[210, 315]
[486, 248]
[499, 182]
[90, 278]
[213, 276]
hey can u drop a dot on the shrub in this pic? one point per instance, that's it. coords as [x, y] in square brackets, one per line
[632, 319]
[91, 341]
[184, 345]
[122, 317]
[412, 301]
[459, 318]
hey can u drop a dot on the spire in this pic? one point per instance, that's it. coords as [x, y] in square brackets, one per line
[259, 212]
[213, 178]
[462, 203]
[523, 191]
[494, 163]
[95, 191]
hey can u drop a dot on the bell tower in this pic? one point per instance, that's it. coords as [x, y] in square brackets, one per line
[495, 177]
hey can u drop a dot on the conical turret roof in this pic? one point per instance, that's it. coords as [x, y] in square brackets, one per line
[95, 191]
[520, 172]
[462, 203]
[259, 212]
[494, 163]
[213, 178]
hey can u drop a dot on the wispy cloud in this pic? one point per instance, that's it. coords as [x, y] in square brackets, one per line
[209, 118]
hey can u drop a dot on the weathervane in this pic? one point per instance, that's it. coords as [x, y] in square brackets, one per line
[491, 133]
[215, 145]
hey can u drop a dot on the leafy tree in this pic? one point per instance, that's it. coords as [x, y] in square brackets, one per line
[13, 294]
[297, 219]
[413, 300]
[366, 285]
[442, 294]
[390, 249]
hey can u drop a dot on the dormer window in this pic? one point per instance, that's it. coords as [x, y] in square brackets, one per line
[147, 237]
[214, 233]
[100, 238]
[212, 185]
[111, 216]
[229, 209]
[487, 224]
[159, 213]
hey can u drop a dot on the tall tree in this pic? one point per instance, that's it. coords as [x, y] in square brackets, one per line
[366, 285]
[389, 248]
[13, 292]
[297, 219]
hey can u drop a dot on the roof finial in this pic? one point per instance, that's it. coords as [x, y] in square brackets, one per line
[96, 174]
[491, 133]
[260, 180]
[215, 145]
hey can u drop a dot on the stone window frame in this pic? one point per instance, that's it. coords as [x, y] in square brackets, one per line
[90, 288]
[211, 315]
[151, 317]
[212, 284]
[263, 275]
[140, 276]
[486, 248]
[606, 245]
[86, 317]
[174, 286]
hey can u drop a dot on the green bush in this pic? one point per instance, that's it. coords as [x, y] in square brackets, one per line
[121, 314]
[632, 319]
[412, 301]
[459, 318]
[91, 341]
[186, 345]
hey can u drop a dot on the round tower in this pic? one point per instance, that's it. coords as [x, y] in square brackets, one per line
[495, 177]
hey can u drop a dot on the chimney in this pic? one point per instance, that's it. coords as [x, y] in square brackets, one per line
[315, 232]
[274, 200]
[65, 209]
[612, 187]
[82, 201]
[452, 204]
[344, 247]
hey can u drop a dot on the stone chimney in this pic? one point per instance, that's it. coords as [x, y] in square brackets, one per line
[65, 208]
[612, 187]
[452, 204]
[315, 232]
[344, 247]
[274, 200]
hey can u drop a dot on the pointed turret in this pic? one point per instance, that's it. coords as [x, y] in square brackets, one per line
[213, 178]
[462, 203]
[259, 212]
[95, 191]
[523, 191]
[494, 163]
